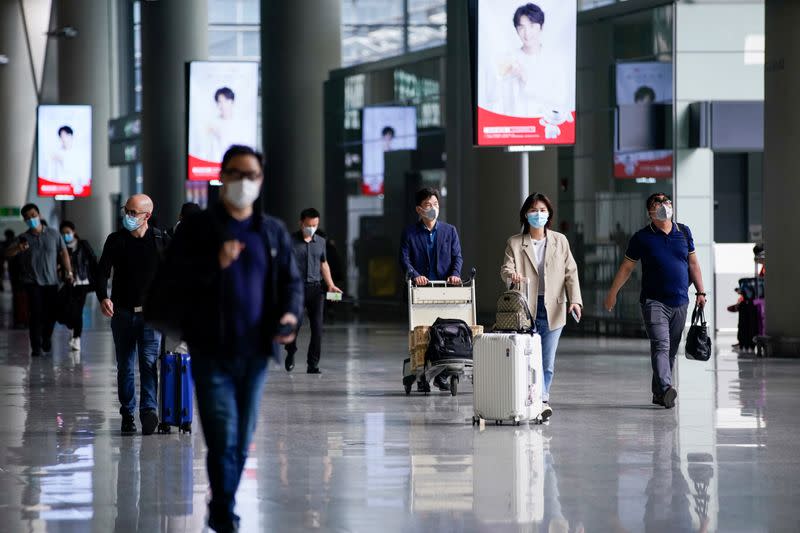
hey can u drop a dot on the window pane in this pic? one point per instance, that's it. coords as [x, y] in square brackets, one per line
[222, 11]
[251, 44]
[222, 43]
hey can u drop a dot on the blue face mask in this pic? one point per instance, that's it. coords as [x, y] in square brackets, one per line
[131, 223]
[538, 219]
[33, 222]
[69, 237]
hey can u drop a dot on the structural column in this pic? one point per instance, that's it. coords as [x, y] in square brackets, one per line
[85, 76]
[483, 186]
[173, 33]
[17, 106]
[781, 184]
[300, 45]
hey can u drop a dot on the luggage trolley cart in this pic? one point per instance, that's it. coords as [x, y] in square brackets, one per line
[425, 305]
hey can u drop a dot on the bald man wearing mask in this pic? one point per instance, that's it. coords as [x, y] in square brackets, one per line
[133, 252]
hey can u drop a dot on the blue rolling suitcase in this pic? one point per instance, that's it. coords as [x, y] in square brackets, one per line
[176, 392]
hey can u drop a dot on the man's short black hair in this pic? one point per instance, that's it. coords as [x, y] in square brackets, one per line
[424, 194]
[9, 233]
[226, 92]
[656, 197]
[240, 149]
[643, 93]
[309, 213]
[28, 207]
[387, 131]
[530, 10]
[65, 129]
[189, 208]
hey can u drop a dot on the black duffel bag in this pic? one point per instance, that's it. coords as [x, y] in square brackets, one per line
[451, 338]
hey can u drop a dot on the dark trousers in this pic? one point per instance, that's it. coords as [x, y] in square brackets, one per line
[79, 293]
[315, 307]
[228, 395]
[42, 305]
[664, 325]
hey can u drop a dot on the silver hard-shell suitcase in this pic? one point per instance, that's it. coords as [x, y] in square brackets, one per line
[508, 378]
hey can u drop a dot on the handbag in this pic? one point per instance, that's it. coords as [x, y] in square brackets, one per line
[698, 343]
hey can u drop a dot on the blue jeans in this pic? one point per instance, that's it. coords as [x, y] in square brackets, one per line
[228, 394]
[131, 336]
[549, 346]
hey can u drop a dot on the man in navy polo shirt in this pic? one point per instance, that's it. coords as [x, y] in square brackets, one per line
[430, 250]
[669, 263]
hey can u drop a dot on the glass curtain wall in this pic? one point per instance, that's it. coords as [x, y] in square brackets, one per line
[377, 29]
[384, 139]
[623, 152]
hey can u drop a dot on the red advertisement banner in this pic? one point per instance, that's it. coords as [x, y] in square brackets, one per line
[502, 130]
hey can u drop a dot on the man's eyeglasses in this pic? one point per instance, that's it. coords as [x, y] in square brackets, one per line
[132, 212]
[237, 175]
[665, 201]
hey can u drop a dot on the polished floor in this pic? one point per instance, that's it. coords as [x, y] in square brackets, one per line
[348, 451]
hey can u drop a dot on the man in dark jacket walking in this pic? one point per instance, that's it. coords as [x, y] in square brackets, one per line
[240, 295]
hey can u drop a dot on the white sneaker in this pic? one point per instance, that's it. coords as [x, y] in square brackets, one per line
[75, 344]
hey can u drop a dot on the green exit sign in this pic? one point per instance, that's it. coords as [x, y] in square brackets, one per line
[9, 212]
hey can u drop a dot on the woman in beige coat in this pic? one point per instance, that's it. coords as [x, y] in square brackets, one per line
[543, 256]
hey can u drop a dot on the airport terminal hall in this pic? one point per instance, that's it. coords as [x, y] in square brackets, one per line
[378, 266]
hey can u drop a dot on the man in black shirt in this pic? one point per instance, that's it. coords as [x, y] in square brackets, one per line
[312, 261]
[134, 253]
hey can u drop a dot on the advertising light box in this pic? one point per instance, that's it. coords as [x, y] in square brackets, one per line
[525, 72]
[223, 111]
[64, 141]
[642, 86]
[385, 129]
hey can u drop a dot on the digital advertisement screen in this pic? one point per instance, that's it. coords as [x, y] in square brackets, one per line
[385, 129]
[64, 140]
[525, 72]
[223, 111]
[643, 84]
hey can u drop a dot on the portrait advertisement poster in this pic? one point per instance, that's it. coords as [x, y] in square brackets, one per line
[525, 72]
[223, 111]
[643, 83]
[64, 150]
[384, 129]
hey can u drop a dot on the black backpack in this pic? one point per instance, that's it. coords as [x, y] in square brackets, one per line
[451, 338]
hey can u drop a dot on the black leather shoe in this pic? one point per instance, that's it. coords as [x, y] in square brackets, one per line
[47, 346]
[149, 422]
[36, 354]
[313, 370]
[669, 398]
[288, 364]
[441, 382]
[658, 400]
[128, 426]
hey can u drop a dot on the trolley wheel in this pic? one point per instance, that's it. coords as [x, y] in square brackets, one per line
[474, 421]
[163, 428]
[186, 428]
[453, 385]
[408, 388]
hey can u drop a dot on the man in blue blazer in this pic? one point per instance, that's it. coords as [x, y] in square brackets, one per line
[430, 249]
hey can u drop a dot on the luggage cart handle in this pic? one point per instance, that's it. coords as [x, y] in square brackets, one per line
[465, 282]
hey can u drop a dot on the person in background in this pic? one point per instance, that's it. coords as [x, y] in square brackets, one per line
[84, 264]
[669, 263]
[430, 250]
[188, 209]
[310, 253]
[134, 253]
[543, 256]
[239, 295]
[40, 249]
[9, 234]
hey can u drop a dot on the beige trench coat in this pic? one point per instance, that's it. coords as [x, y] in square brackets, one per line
[560, 274]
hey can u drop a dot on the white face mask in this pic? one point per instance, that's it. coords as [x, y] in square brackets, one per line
[430, 214]
[309, 231]
[663, 212]
[242, 193]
